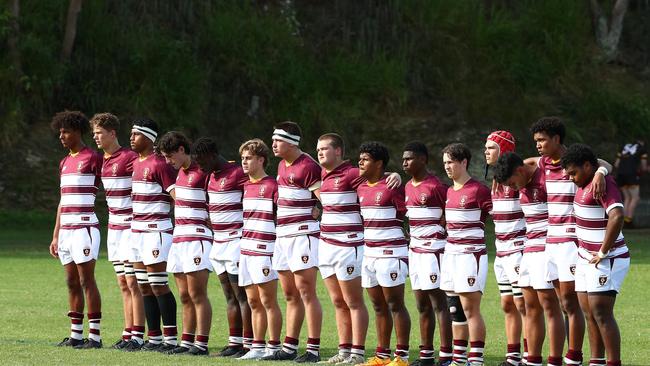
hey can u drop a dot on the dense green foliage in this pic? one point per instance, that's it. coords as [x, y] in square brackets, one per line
[387, 70]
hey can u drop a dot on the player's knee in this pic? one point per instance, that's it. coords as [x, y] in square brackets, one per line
[339, 303]
[508, 305]
[396, 305]
[424, 305]
[456, 310]
[570, 305]
[255, 303]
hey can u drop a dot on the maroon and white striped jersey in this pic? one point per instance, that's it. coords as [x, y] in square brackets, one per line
[341, 222]
[80, 174]
[425, 204]
[383, 210]
[591, 218]
[117, 178]
[225, 191]
[191, 206]
[465, 212]
[535, 208]
[260, 198]
[560, 191]
[296, 182]
[509, 222]
[153, 179]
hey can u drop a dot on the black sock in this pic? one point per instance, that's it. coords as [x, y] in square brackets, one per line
[152, 312]
[167, 304]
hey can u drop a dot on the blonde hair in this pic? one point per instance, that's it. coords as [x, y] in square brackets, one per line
[256, 147]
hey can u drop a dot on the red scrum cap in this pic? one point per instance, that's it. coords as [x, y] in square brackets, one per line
[504, 140]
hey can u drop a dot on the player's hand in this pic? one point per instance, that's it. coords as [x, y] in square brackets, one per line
[315, 212]
[394, 180]
[595, 259]
[54, 248]
[495, 186]
[599, 185]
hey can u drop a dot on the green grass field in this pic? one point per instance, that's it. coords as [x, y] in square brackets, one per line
[33, 300]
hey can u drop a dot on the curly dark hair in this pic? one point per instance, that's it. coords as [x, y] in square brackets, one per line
[506, 166]
[205, 146]
[418, 148]
[74, 120]
[458, 152]
[552, 126]
[376, 150]
[578, 154]
[172, 141]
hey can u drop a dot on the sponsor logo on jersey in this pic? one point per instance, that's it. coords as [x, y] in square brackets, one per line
[471, 280]
[261, 246]
[200, 230]
[152, 226]
[602, 280]
[303, 227]
[393, 276]
[85, 218]
[266, 271]
[350, 269]
[353, 235]
[305, 259]
[388, 252]
[433, 277]
[155, 253]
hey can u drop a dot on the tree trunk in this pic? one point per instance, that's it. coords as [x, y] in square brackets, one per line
[608, 31]
[12, 38]
[70, 29]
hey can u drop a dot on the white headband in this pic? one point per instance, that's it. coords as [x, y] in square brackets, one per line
[279, 134]
[146, 131]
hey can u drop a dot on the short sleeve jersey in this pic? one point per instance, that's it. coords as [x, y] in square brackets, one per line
[425, 204]
[341, 222]
[191, 206]
[225, 191]
[383, 210]
[465, 212]
[560, 191]
[296, 182]
[80, 176]
[260, 197]
[153, 179]
[535, 208]
[117, 179]
[509, 222]
[591, 218]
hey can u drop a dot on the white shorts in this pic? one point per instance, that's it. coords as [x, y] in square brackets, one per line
[607, 276]
[533, 271]
[464, 272]
[225, 257]
[150, 248]
[295, 253]
[118, 245]
[189, 257]
[384, 272]
[78, 245]
[562, 259]
[256, 269]
[344, 262]
[424, 270]
[506, 271]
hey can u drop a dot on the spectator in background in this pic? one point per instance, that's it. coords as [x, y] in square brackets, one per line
[631, 163]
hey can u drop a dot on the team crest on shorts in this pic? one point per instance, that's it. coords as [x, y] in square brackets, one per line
[517, 269]
[266, 271]
[350, 269]
[433, 277]
[155, 253]
[197, 260]
[602, 280]
[305, 259]
[471, 280]
[86, 251]
[572, 269]
[393, 276]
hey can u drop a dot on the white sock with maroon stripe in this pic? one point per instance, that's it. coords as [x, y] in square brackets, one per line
[187, 340]
[201, 342]
[248, 340]
[344, 349]
[126, 334]
[235, 338]
[76, 325]
[94, 320]
[313, 346]
[402, 351]
[137, 333]
[427, 352]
